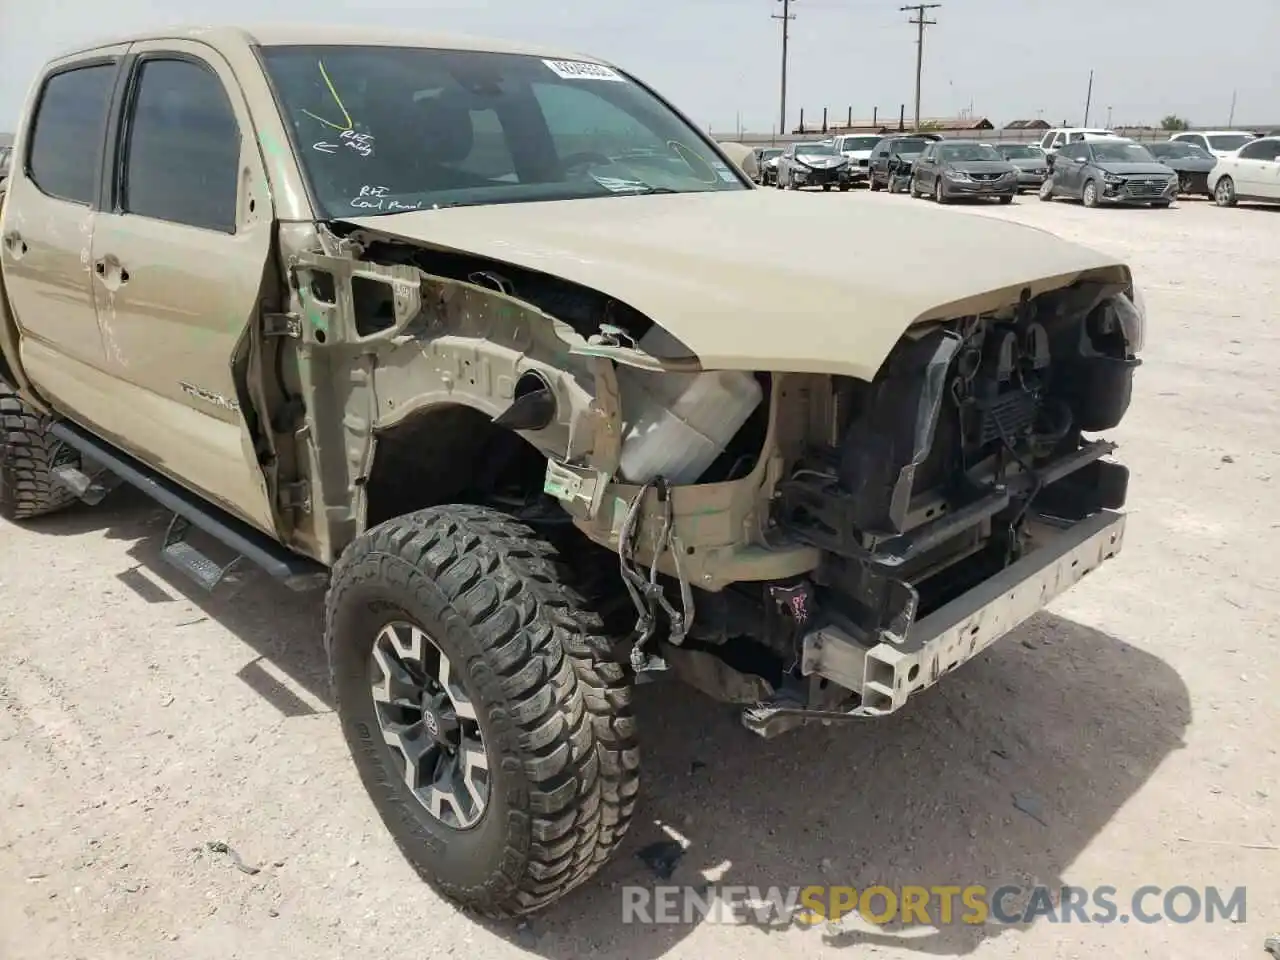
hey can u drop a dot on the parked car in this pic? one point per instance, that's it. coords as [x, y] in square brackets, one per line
[1110, 170]
[1031, 161]
[891, 160]
[810, 164]
[481, 386]
[1190, 161]
[1058, 137]
[1251, 173]
[1220, 143]
[949, 169]
[857, 148]
[767, 162]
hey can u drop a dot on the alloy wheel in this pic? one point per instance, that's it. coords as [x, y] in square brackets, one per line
[429, 722]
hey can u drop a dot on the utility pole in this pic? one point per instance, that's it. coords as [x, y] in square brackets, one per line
[1231, 117]
[1088, 98]
[920, 23]
[786, 18]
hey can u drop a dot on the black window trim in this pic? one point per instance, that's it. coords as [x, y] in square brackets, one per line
[122, 113]
[1271, 142]
[101, 60]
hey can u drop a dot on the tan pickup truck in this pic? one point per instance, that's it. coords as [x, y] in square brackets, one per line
[483, 338]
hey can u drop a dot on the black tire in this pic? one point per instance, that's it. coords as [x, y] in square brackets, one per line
[1089, 194]
[1007, 199]
[872, 184]
[553, 709]
[1045, 191]
[939, 195]
[843, 188]
[1224, 192]
[1162, 204]
[28, 456]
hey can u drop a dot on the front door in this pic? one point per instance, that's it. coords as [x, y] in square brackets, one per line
[925, 169]
[1068, 167]
[179, 265]
[48, 225]
[1256, 169]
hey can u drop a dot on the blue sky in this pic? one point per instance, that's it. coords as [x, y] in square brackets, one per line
[720, 59]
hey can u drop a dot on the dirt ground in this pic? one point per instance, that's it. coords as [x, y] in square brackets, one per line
[1137, 719]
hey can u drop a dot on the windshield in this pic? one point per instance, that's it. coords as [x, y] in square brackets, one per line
[967, 151]
[1230, 141]
[908, 147]
[860, 143]
[1020, 151]
[1121, 152]
[819, 149]
[386, 129]
[1175, 150]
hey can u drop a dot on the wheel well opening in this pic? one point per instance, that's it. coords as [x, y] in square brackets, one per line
[451, 454]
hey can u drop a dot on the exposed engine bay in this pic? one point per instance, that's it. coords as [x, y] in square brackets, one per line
[755, 517]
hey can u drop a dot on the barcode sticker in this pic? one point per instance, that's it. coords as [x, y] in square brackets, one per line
[577, 70]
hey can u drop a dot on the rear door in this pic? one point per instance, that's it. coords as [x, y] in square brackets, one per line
[48, 225]
[179, 264]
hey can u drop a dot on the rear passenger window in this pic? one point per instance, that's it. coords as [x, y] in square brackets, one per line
[67, 132]
[182, 155]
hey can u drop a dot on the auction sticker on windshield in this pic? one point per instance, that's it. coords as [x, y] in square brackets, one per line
[576, 70]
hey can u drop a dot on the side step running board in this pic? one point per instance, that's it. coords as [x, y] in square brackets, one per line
[181, 553]
[294, 570]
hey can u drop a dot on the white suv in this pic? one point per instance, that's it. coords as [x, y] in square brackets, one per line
[1221, 143]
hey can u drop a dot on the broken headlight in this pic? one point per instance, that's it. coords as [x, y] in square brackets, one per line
[1132, 312]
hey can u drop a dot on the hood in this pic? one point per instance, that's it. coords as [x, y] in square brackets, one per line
[857, 154]
[980, 166]
[1191, 164]
[1144, 169]
[821, 161]
[1030, 163]
[694, 264]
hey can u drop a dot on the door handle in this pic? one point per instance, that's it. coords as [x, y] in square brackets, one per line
[111, 270]
[14, 243]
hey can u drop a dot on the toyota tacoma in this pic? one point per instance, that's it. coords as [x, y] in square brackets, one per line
[482, 340]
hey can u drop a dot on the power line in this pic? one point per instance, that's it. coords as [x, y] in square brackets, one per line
[786, 18]
[919, 23]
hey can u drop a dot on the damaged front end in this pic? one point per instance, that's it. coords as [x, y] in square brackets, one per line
[923, 515]
[810, 546]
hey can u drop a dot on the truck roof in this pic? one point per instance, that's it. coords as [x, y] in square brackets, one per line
[301, 33]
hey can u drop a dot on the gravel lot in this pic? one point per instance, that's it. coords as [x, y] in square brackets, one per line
[1137, 719]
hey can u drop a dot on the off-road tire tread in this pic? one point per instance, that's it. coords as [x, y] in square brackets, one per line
[570, 702]
[28, 456]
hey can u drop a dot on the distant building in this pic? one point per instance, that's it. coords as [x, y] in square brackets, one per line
[1027, 125]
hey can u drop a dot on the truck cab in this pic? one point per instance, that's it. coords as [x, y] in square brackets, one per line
[857, 147]
[1059, 137]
